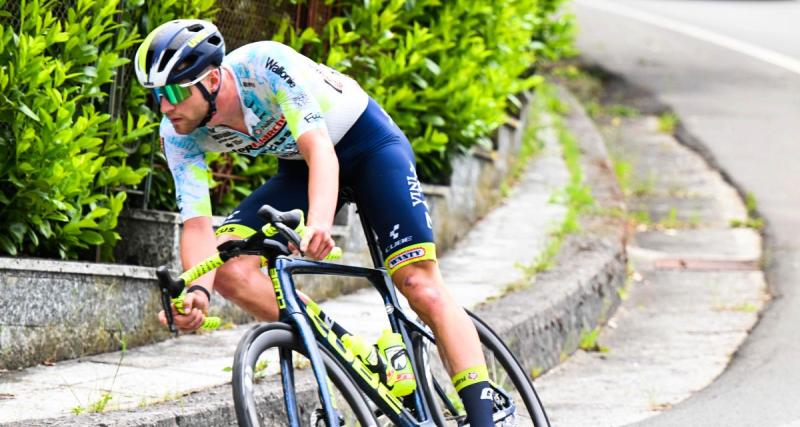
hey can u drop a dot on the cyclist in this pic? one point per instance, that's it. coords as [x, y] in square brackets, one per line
[265, 98]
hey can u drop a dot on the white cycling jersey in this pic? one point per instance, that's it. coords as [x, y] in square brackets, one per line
[283, 94]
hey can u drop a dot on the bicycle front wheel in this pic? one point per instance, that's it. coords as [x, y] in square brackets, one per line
[257, 356]
[515, 400]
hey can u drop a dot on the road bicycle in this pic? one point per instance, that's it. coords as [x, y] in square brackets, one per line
[345, 390]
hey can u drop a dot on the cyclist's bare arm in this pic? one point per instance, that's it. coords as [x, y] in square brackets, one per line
[197, 244]
[323, 185]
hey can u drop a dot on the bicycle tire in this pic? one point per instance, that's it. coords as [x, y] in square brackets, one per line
[504, 370]
[264, 337]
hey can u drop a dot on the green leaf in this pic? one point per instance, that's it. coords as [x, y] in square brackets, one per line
[433, 119]
[27, 111]
[17, 230]
[7, 246]
[91, 237]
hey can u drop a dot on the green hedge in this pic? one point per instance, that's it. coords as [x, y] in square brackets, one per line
[447, 72]
[63, 161]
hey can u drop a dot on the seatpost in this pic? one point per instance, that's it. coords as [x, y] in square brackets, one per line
[372, 241]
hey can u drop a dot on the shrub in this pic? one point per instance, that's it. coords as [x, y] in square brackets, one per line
[60, 155]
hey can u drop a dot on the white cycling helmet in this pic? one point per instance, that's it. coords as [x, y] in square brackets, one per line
[178, 51]
[173, 56]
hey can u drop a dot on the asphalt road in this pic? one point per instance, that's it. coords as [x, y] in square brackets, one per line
[731, 72]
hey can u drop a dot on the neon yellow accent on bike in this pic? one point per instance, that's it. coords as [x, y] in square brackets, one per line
[199, 270]
[276, 284]
[209, 322]
[238, 230]
[409, 255]
[372, 379]
[470, 376]
[269, 230]
[335, 253]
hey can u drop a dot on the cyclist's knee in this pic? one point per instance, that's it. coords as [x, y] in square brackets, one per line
[231, 276]
[422, 285]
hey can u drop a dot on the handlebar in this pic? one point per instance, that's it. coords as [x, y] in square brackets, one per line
[290, 225]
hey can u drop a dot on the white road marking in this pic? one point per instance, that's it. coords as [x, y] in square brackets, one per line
[766, 55]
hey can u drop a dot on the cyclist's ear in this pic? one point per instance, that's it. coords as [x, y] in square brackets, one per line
[214, 79]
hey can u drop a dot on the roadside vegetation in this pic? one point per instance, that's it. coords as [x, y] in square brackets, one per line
[589, 86]
[546, 118]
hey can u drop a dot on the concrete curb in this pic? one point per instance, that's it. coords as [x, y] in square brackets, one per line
[541, 324]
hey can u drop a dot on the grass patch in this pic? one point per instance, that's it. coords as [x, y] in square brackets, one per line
[667, 123]
[546, 115]
[101, 404]
[753, 220]
[589, 341]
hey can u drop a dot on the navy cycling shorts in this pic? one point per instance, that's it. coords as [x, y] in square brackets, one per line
[376, 161]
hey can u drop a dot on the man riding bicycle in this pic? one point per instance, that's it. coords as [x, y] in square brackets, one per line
[265, 98]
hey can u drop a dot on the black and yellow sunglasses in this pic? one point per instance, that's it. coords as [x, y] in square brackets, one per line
[177, 92]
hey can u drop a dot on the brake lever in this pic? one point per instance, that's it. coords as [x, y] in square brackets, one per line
[165, 303]
[289, 234]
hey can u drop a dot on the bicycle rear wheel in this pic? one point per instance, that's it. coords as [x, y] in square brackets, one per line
[515, 403]
[258, 348]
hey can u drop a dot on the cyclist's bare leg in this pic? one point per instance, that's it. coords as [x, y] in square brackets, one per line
[241, 281]
[421, 283]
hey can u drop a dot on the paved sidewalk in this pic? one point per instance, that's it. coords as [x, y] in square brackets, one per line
[696, 293]
[517, 230]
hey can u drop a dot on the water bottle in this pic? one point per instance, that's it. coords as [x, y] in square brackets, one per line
[388, 359]
[399, 373]
[367, 353]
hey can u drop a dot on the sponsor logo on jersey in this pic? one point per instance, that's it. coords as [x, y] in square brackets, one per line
[280, 71]
[300, 100]
[227, 138]
[312, 117]
[406, 256]
[331, 77]
[415, 188]
[276, 128]
[397, 243]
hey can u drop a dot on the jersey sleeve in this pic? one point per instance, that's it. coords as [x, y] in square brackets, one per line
[287, 72]
[189, 170]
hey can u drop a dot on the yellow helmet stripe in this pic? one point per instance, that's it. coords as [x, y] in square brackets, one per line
[143, 51]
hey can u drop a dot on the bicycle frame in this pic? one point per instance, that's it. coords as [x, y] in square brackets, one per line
[314, 331]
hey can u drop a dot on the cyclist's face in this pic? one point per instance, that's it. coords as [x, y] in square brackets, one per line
[187, 114]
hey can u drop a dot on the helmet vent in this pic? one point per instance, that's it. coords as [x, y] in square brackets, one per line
[195, 28]
[214, 40]
[188, 62]
[148, 59]
[168, 54]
